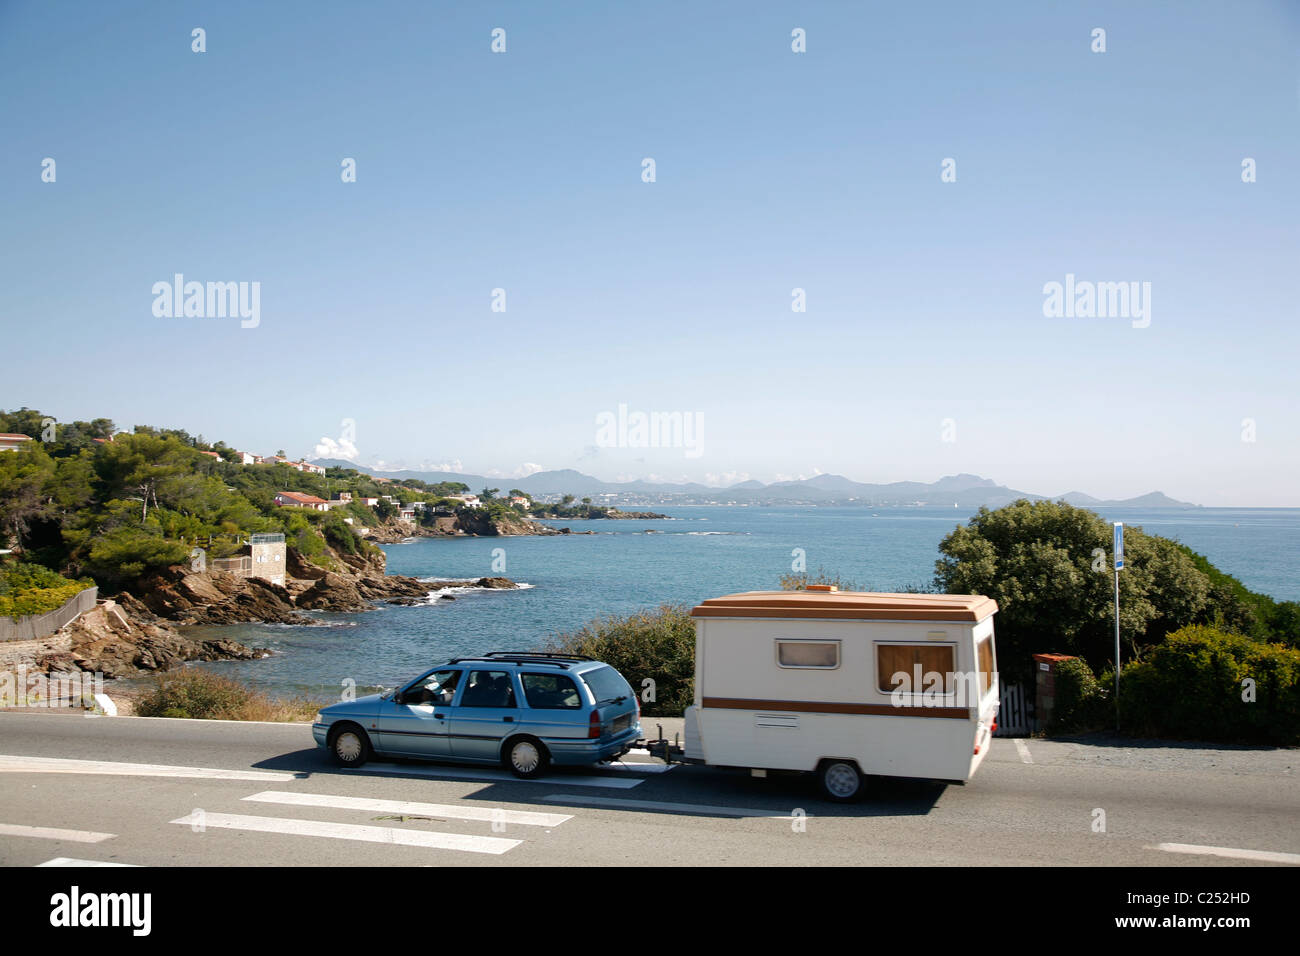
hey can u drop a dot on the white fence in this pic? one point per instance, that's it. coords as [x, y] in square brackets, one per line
[1016, 713]
[36, 626]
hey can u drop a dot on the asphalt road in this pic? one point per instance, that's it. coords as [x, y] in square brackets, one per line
[107, 790]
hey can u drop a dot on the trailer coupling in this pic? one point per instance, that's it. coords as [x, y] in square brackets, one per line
[669, 751]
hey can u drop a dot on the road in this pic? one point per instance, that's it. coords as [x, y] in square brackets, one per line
[156, 792]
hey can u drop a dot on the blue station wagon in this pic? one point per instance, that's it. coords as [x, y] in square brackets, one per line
[522, 710]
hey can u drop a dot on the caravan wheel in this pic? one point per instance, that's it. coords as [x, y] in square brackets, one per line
[840, 781]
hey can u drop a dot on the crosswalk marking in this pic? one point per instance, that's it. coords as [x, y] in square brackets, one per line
[351, 831]
[412, 808]
[54, 833]
[70, 861]
[23, 764]
[641, 767]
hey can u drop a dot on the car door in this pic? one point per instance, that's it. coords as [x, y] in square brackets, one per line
[485, 713]
[419, 725]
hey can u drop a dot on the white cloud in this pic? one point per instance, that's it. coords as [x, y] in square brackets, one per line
[726, 478]
[454, 465]
[523, 471]
[342, 448]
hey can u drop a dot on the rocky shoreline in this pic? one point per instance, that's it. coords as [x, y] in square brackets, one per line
[136, 632]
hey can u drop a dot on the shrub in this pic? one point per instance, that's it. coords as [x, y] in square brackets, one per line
[657, 644]
[202, 695]
[1192, 686]
[1081, 703]
[27, 589]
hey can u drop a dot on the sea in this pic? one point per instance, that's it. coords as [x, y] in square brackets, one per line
[692, 554]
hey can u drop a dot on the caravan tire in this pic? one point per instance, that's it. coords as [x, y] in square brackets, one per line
[841, 781]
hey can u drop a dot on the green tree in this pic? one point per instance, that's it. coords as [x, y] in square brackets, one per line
[1047, 564]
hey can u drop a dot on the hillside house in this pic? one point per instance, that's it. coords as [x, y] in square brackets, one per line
[294, 499]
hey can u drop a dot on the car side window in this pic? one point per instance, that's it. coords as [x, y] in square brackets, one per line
[489, 689]
[436, 688]
[550, 692]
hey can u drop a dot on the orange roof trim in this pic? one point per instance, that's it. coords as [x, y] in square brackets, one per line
[850, 606]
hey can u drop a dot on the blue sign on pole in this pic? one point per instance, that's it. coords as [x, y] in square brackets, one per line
[1119, 546]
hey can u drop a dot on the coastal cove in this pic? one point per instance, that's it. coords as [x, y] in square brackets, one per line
[697, 552]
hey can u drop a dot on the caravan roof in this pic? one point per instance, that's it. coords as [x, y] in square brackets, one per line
[827, 603]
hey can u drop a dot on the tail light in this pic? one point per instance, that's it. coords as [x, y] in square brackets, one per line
[593, 727]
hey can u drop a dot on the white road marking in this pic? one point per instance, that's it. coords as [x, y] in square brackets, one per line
[619, 782]
[700, 808]
[1263, 856]
[1023, 748]
[634, 767]
[18, 764]
[351, 831]
[69, 861]
[54, 833]
[410, 808]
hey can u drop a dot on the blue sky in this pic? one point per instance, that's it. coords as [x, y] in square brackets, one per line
[774, 171]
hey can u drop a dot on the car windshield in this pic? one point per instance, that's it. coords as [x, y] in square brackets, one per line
[606, 683]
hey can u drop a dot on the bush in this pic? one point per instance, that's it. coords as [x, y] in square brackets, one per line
[27, 589]
[1082, 702]
[658, 644]
[202, 695]
[1192, 687]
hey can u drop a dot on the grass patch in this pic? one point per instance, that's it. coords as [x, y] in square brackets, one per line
[200, 695]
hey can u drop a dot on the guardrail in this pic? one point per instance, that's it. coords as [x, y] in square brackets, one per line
[35, 626]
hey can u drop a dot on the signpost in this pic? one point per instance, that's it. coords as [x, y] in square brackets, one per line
[1119, 566]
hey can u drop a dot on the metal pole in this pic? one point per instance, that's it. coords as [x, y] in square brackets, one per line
[1117, 648]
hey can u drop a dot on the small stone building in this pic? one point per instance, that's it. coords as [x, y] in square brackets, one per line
[268, 553]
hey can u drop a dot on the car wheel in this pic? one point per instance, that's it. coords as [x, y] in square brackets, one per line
[526, 757]
[350, 746]
[841, 781]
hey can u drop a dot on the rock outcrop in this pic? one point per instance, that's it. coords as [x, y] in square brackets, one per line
[118, 640]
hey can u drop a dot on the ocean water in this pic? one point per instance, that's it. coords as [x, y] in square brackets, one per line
[698, 552]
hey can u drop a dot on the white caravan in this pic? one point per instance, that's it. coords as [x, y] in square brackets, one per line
[846, 684]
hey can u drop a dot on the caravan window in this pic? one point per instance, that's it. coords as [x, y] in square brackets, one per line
[893, 659]
[818, 654]
[985, 654]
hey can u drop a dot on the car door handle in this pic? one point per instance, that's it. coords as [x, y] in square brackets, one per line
[508, 720]
[441, 716]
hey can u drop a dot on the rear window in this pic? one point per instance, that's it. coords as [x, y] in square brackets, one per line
[606, 683]
[550, 692]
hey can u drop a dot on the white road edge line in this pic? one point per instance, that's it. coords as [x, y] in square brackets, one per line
[1262, 856]
[1023, 749]
[350, 831]
[412, 808]
[19, 764]
[54, 833]
[70, 861]
[689, 808]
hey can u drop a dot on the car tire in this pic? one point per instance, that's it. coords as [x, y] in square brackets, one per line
[526, 757]
[349, 745]
[841, 781]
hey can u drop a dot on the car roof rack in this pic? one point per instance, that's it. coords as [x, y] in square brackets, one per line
[521, 657]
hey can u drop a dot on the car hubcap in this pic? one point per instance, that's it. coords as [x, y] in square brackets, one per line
[841, 780]
[348, 746]
[525, 757]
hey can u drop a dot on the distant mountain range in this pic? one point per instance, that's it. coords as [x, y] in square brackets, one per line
[964, 491]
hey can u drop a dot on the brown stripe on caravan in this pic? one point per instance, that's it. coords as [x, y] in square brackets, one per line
[849, 606]
[827, 707]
